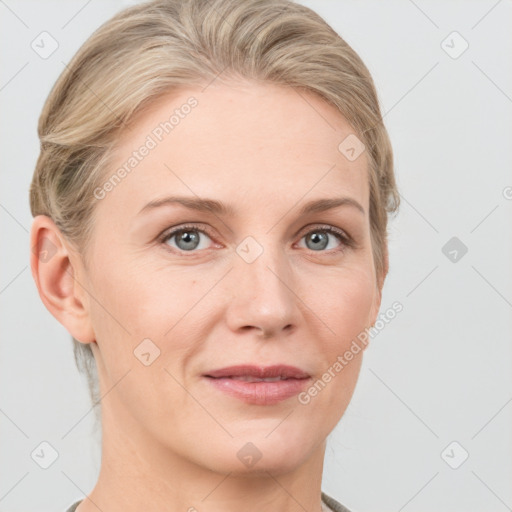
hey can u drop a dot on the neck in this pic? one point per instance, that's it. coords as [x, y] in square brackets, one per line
[139, 472]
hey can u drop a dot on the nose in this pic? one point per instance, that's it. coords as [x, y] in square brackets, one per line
[263, 295]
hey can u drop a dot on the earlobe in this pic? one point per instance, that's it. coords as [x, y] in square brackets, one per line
[56, 278]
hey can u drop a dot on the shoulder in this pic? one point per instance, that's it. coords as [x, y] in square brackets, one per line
[334, 505]
[72, 508]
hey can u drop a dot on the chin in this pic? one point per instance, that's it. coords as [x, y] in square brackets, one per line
[257, 454]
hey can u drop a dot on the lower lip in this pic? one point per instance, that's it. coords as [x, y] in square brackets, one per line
[259, 393]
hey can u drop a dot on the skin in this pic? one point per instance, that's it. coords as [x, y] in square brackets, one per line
[170, 439]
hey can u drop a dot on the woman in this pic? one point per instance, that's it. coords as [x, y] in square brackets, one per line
[210, 211]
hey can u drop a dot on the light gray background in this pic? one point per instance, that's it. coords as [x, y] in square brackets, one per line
[439, 372]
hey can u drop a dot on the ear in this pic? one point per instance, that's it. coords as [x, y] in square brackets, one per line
[58, 273]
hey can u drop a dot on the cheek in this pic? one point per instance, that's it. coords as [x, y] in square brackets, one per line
[134, 296]
[132, 313]
[345, 305]
[134, 303]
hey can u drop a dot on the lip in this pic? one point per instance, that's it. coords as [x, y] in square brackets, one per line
[259, 393]
[279, 370]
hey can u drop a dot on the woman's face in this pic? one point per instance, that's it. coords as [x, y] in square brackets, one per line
[256, 283]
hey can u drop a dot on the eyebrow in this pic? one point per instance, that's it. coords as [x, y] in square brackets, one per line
[216, 207]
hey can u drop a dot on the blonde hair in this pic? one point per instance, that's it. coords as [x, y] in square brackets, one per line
[155, 47]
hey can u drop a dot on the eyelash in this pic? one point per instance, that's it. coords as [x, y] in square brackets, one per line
[346, 240]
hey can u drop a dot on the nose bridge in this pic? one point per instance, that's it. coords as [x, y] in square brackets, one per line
[264, 295]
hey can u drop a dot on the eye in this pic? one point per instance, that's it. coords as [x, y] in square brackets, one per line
[187, 238]
[317, 239]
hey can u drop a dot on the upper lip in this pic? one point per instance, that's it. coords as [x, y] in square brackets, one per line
[262, 372]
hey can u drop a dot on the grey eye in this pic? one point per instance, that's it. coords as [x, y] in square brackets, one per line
[186, 239]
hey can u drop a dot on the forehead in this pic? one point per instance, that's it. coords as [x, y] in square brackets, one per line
[237, 140]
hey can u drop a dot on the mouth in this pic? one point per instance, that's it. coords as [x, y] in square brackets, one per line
[259, 385]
